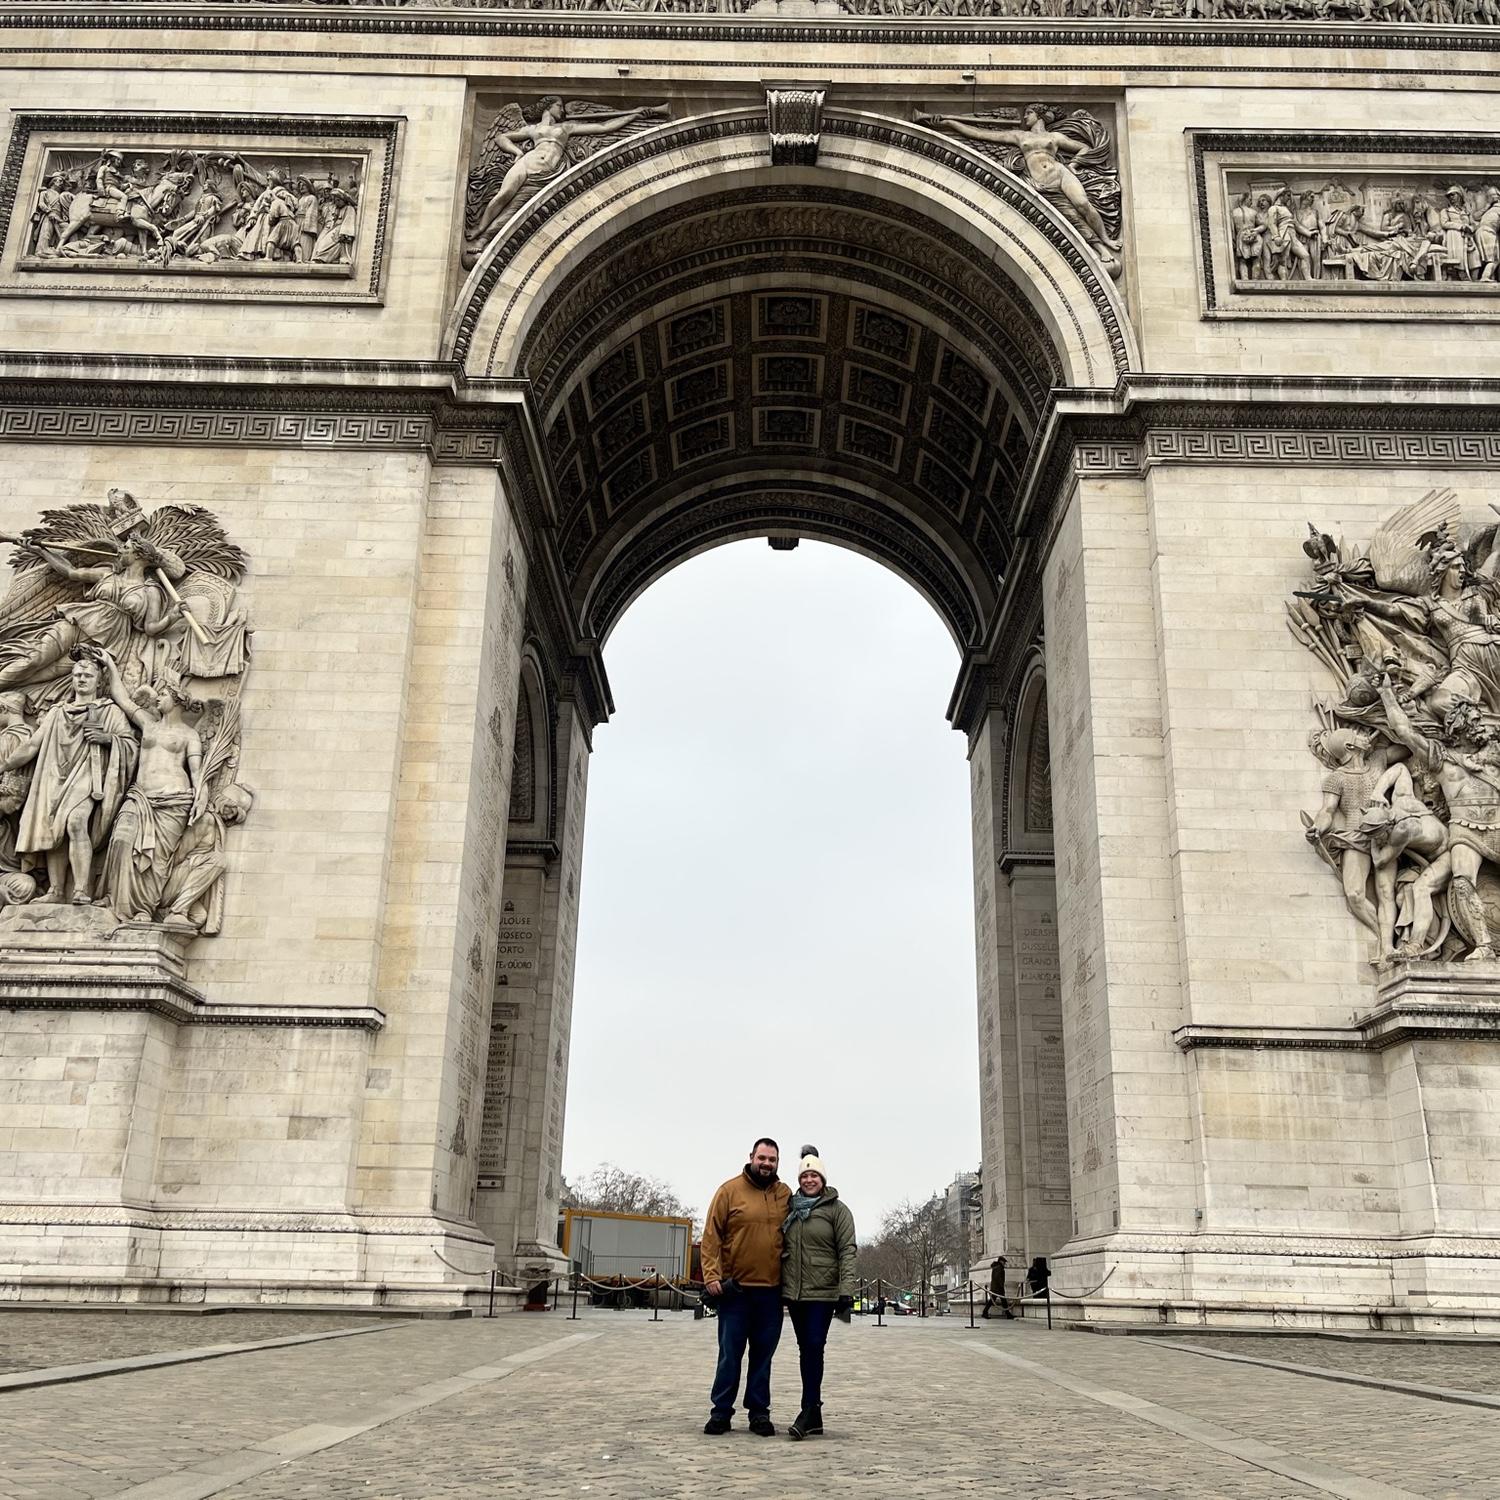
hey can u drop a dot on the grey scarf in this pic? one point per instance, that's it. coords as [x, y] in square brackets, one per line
[801, 1206]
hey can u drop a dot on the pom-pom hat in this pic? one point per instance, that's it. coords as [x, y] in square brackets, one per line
[811, 1163]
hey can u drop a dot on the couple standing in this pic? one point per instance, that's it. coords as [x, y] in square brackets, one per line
[764, 1245]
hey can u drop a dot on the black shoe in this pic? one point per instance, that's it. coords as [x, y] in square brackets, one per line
[762, 1427]
[715, 1425]
[808, 1424]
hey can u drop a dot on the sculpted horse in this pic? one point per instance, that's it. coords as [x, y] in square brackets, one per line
[89, 209]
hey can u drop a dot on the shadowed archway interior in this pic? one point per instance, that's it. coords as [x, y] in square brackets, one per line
[788, 362]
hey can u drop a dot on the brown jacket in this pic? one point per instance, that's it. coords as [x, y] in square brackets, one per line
[742, 1234]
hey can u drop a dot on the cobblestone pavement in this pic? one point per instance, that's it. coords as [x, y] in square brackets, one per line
[613, 1405]
[1463, 1367]
[37, 1340]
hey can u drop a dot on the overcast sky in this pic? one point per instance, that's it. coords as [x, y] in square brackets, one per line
[777, 905]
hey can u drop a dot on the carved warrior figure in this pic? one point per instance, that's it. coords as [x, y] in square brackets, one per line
[1067, 160]
[126, 631]
[1407, 627]
[523, 150]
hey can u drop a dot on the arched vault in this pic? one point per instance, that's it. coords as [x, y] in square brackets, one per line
[859, 350]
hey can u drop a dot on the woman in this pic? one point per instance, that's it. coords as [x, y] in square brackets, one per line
[817, 1278]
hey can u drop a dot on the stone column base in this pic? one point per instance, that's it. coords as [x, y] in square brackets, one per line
[107, 1254]
[1433, 1283]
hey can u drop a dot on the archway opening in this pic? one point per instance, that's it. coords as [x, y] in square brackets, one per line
[797, 356]
[777, 934]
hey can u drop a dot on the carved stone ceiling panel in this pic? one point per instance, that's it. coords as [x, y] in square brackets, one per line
[862, 353]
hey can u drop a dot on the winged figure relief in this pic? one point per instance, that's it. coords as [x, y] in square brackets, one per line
[526, 148]
[123, 647]
[1410, 820]
[1067, 158]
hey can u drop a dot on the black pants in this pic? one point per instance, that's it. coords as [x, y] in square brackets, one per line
[810, 1322]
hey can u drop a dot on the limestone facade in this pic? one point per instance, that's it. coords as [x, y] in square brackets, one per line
[457, 449]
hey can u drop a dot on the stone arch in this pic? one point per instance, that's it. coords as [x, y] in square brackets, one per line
[1028, 799]
[661, 298]
[532, 805]
[1027, 242]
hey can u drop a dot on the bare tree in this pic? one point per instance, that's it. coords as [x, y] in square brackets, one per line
[615, 1190]
[920, 1239]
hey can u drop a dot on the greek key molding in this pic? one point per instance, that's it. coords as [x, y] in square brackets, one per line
[1331, 449]
[286, 429]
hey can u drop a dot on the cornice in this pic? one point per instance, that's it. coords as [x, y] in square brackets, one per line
[23, 989]
[326, 21]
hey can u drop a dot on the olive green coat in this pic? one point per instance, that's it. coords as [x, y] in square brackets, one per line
[818, 1253]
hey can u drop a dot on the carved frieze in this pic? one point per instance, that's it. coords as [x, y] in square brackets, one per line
[1476, 13]
[191, 206]
[1325, 225]
[123, 649]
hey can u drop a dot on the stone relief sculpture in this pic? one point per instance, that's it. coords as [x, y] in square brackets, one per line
[1067, 158]
[123, 648]
[185, 210]
[524, 149]
[1382, 12]
[1302, 228]
[1409, 628]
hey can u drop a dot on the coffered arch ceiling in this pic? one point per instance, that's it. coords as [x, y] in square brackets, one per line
[788, 359]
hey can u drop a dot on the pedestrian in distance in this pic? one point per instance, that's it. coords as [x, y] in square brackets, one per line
[996, 1294]
[742, 1274]
[817, 1278]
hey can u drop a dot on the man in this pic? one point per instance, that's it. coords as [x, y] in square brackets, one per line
[742, 1270]
[996, 1294]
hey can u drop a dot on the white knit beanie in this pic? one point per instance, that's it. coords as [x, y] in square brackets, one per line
[811, 1163]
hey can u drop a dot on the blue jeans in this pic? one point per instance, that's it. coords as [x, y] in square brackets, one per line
[811, 1320]
[750, 1316]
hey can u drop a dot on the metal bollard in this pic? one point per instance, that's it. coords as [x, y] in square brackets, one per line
[1047, 1293]
[879, 1302]
[494, 1274]
[573, 1316]
[971, 1304]
[656, 1300]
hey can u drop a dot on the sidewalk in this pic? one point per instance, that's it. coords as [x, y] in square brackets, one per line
[613, 1406]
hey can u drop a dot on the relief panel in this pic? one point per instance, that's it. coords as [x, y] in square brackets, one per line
[167, 207]
[1294, 225]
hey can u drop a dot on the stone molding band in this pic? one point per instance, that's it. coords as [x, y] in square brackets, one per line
[174, 1001]
[433, 407]
[1281, 1246]
[214, 1221]
[739, 30]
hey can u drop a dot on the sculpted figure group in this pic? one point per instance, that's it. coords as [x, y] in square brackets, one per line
[1326, 233]
[191, 206]
[1382, 12]
[122, 652]
[1409, 821]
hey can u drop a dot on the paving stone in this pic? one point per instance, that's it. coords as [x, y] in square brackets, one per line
[911, 1410]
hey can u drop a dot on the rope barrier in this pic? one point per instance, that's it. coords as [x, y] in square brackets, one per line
[1058, 1296]
[483, 1272]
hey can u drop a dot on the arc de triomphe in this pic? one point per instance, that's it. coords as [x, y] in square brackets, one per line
[364, 363]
